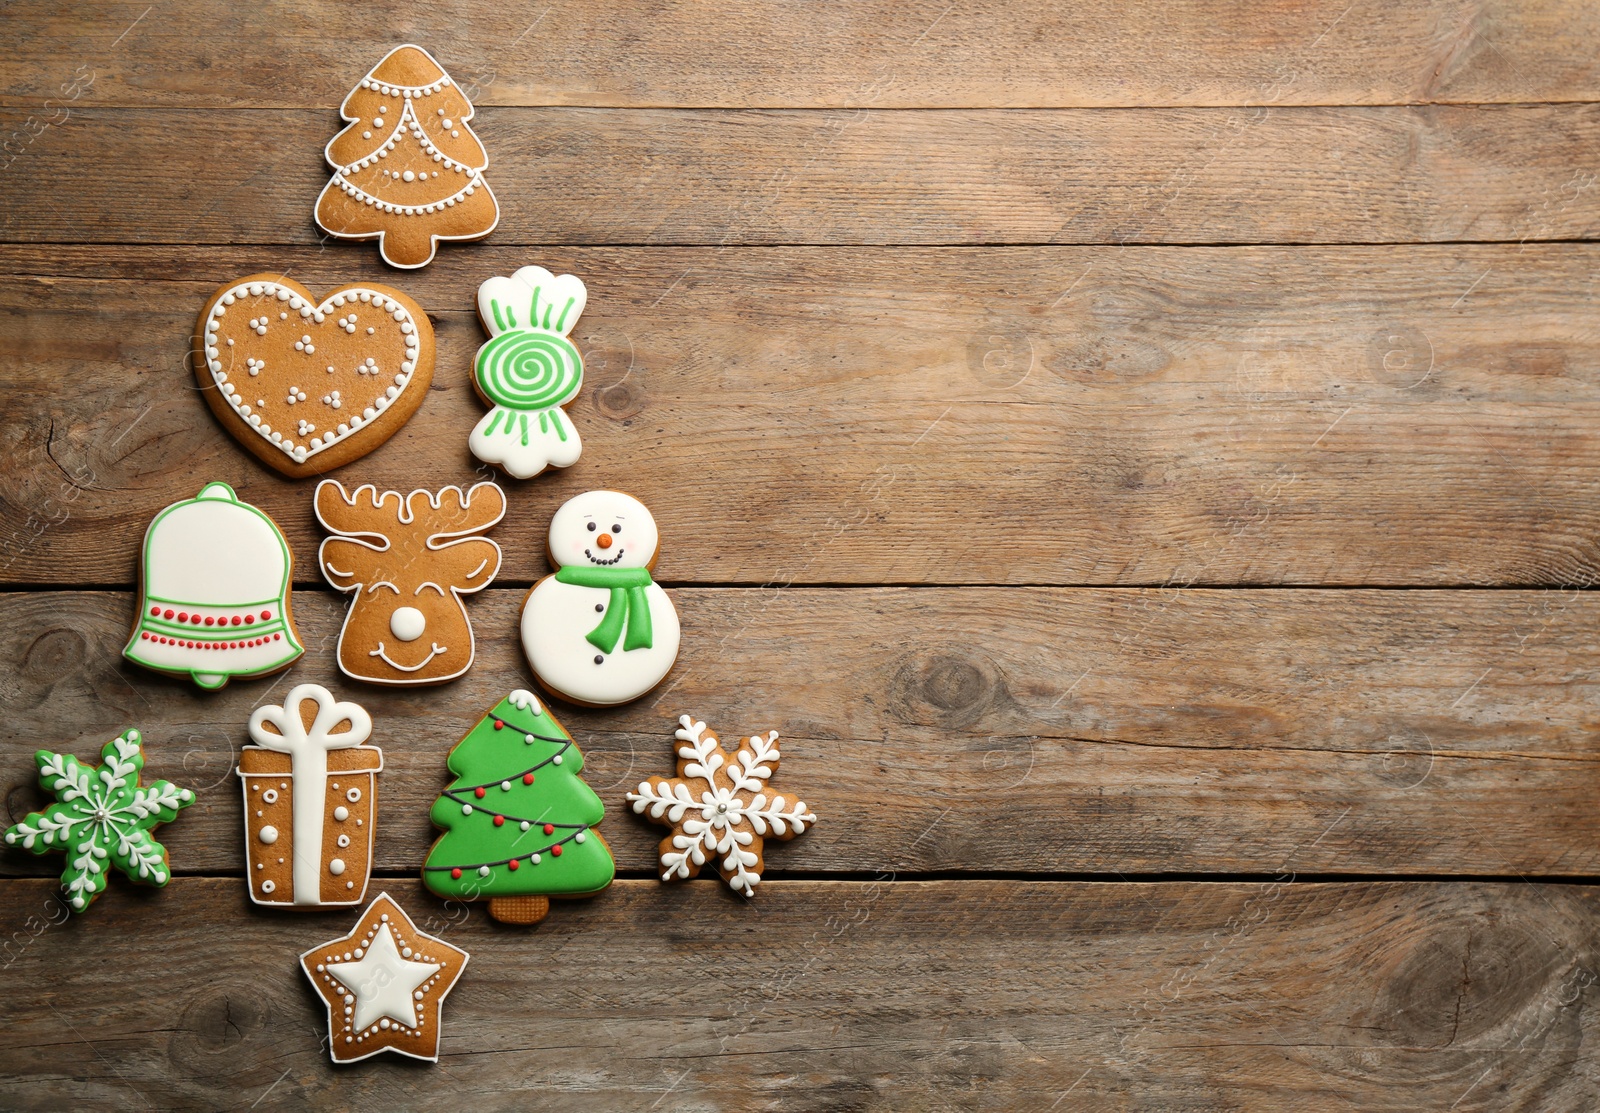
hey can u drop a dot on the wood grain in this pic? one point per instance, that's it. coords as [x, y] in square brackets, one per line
[648, 176]
[881, 53]
[845, 995]
[964, 730]
[1329, 415]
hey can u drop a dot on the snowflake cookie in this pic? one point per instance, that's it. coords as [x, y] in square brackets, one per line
[384, 985]
[717, 806]
[101, 816]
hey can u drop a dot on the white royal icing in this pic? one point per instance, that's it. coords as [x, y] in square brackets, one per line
[308, 754]
[557, 617]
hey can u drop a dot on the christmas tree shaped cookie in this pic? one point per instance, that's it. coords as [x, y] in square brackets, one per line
[518, 820]
[101, 818]
[408, 170]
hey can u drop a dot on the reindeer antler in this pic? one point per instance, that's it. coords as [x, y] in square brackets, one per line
[456, 513]
[363, 513]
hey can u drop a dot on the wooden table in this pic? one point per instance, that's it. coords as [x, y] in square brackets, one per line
[1141, 457]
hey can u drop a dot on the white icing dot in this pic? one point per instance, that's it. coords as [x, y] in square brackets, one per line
[269, 886]
[483, 871]
[556, 760]
[505, 786]
[535, 859]
[526, 825]
[578, 837]
[408, 176]
[336, 866]
[268, 835]
[341, 813]
[466, 809]
[354, 795]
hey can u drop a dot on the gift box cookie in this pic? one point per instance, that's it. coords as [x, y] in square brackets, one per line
[310, 801]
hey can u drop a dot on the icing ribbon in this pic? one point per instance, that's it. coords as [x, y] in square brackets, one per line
[308, 756]
[628, 604]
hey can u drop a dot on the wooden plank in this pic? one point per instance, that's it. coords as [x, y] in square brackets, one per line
[1053, 416]
[845, 995]
[594, 176]
[966, 730]
[1027, 54]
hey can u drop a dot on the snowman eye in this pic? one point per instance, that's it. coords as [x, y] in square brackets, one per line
[591, 527]
[616, 529]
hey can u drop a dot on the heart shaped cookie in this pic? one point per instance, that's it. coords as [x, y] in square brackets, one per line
[309, 386]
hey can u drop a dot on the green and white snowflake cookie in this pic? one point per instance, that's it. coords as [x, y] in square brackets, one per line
[101, 816]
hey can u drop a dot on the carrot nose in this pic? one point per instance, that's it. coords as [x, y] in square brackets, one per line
[604, 540]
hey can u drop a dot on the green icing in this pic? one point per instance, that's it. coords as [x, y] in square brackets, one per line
[487, 758]
[101, 818]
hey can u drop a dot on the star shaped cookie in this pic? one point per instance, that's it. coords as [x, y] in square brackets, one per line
[384, 985]
[717, 807]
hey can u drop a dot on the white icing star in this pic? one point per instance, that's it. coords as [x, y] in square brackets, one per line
[383, 982]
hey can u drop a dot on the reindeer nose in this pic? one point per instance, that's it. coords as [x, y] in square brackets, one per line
[604, 540]
[407, 623]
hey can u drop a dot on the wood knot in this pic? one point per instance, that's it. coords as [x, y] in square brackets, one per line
[945, 688]
[215, 1032]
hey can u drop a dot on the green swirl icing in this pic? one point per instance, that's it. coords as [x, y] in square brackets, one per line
[527, 370]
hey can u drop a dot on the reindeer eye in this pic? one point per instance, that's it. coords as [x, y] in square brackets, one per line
[591, 527]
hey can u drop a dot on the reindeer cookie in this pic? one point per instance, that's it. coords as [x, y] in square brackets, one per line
[406, 561]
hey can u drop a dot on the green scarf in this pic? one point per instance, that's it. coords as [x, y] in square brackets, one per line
[628, 603]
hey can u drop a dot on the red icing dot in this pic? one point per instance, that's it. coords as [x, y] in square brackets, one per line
[167, 613]
[249, 620]
[144, 635]
[499, 821]
[514, 864]
[549, 828]
[527, 778]
[277, 637]
[265, 615]
[235, 620]
[156, 611]
[499, 724]
[556, 850]
[194, 618]
[478, 792]
[455, 874]
[183, 616]
[210, 621]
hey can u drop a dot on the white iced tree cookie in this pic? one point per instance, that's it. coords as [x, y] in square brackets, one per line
[527, 371]
[600, 631]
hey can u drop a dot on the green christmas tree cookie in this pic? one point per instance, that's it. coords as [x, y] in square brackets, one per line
[518, 820]
[101, 816]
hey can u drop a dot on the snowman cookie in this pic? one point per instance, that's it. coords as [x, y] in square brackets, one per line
[600, 632]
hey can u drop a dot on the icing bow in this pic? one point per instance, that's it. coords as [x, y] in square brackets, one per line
[308, 756]
[628, 604]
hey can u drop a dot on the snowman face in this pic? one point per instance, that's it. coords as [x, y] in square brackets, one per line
[603, 529]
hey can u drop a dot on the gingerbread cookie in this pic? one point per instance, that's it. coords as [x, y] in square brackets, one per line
[527, 371]
[600, 631]
[101, 818]
[717, 807]
[308, 385]
[384, 985]
[408, 169]
[310, 801]
[215, 592]
[406, 561]
[518, 819]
